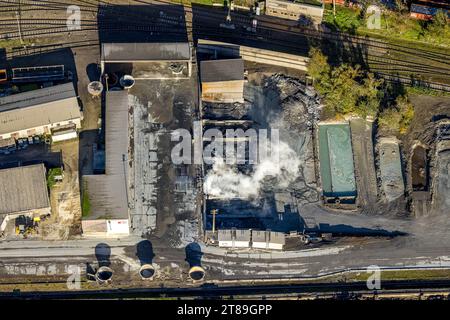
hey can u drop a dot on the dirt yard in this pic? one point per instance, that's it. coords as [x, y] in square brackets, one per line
[65, 220]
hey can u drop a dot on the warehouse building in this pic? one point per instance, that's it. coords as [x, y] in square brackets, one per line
[39, 112]
[23, 191]
[222, 80]
[108, 193]
[298, 10]
[147, 60]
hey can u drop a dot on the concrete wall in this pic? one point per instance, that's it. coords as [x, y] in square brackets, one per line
[293, 11]
[40, 130]
[234, 244]
[265, 245]
[117, 226]
[65, 136]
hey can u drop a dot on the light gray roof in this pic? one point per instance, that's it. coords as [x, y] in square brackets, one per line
[268, 236]
[38, 107]
[128, 52]
[37, 97]
[222, 70]
[116, 131]
[108, 192]
[23, 188]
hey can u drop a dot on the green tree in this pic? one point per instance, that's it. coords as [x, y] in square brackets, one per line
[438, 28]
[345, 89]
[318, 66]
[440, 20]
[397, 119]
[370, 96]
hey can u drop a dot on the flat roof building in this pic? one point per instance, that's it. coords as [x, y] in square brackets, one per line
[37, 112]
[148, 52]
[108, 193]
[23, 191]
[147, 60]
[336, 163]
[222, 80]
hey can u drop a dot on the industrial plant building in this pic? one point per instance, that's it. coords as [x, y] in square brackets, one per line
[23, 191]
[108, 193]
[39, 112]
[147, 60]
[298, 10]
[222, 80]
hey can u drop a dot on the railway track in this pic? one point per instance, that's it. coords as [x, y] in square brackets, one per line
[400, 289]
[382, 57]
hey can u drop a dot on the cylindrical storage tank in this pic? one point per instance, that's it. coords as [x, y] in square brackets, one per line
[103, 274]
[197, 273]
[112, 79]
[127, 81]
[95, 88]
[147, 272]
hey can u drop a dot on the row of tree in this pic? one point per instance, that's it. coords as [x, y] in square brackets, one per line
[348, 90]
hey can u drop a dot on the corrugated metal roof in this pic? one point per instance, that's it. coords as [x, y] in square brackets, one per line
[116, 131]
[222, 70]
[23, 188]
[145, 51]
[37, 97]
[38, 107]
[108, 192]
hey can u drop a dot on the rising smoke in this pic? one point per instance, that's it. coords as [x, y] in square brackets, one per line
[226, 182]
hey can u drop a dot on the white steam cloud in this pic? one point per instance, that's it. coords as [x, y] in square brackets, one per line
[226, 182]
